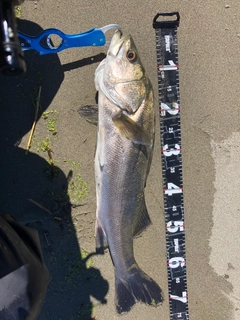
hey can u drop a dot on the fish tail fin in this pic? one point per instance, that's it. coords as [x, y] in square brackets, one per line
[136, 286]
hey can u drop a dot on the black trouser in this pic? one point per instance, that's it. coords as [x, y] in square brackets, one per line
[23, 274]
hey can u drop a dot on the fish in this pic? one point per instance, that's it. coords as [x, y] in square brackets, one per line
[125, 142]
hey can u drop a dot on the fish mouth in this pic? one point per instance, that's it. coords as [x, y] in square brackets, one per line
[116, 47]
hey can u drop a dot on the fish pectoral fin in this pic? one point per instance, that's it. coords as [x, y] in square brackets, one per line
[143, 220]
[130, 129]
[101, 238]
[89, 113]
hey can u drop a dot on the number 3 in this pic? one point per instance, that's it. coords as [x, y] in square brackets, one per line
[172, 151]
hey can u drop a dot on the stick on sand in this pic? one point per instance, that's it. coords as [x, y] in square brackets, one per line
[35, 120]
[39, 205]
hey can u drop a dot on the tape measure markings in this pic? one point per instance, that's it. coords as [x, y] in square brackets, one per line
[170, 134]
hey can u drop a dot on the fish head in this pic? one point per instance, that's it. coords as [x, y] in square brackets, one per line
[124, 79]
[123, 62]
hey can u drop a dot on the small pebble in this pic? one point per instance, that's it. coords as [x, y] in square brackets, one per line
[227, 6]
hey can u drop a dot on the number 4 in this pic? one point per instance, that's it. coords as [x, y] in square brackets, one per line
[183, 298]
[172, 189]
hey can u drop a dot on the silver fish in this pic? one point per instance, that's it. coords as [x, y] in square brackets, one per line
[123, 156]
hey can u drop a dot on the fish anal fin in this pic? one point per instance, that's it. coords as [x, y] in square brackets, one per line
[101, 238]
[130, 129]
[143, 220]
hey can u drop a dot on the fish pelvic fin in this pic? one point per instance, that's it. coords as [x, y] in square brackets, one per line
[130, 129]
[143, 220]
[101, 238]
[136, 286]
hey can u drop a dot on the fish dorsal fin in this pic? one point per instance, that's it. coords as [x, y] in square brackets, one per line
[130, 129]
[89, 113]
[143, 220]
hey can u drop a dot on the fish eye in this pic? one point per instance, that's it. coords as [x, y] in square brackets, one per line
[131, 56]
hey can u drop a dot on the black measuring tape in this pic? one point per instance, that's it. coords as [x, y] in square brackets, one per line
[170, 135]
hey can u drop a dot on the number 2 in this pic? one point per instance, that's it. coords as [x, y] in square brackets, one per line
[173, 111]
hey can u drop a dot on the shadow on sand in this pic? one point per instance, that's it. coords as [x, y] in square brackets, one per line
[23, 176]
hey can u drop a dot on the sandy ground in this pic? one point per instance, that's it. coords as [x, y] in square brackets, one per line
[81, 288]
